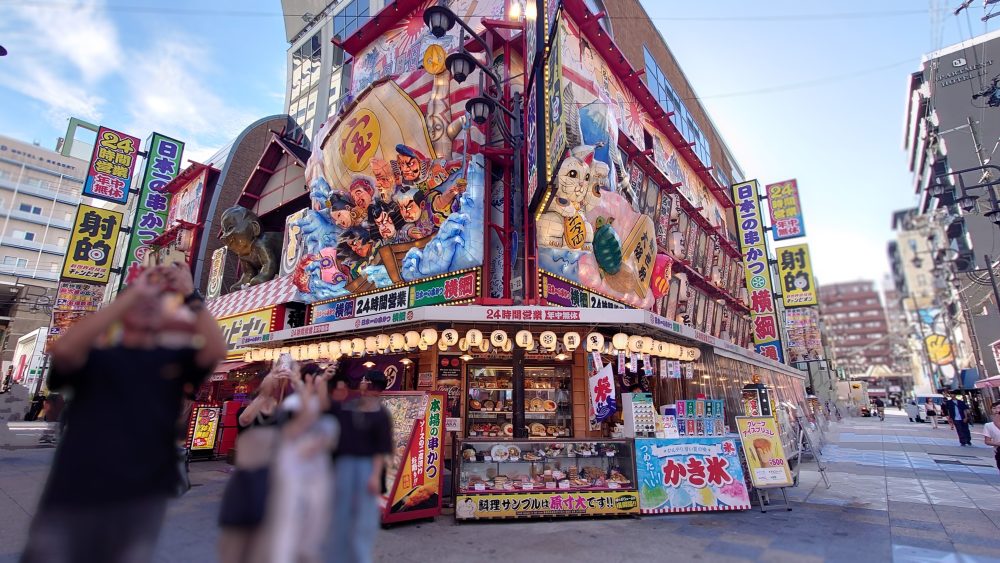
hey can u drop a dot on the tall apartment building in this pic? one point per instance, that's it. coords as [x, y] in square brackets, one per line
[855, 320]
[39, 192]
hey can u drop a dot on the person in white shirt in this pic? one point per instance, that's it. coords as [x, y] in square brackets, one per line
[992, 431]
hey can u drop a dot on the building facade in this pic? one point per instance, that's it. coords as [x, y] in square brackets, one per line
[40, 190]
[855, 320]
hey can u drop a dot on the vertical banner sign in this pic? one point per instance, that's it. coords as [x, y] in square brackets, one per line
[416, 474]
[804, 343]
[92, 244]
[602, 395]
[216, 274]
[74, 301]
[795, 273]
[555, 131]
[206, 426]
[786, 210]
[764, 453]
[111, 165]
[757, 272]
[163, 163]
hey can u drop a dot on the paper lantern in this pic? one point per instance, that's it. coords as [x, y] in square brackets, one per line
[595, 342]
[284, 350]
[422, 346]
[382, 342]
[524, 339]
[635, 344]
[345, 347]
[571, 340]
[508, 346]
[442, 346]
[357, 346]
[647, 345]
[484, 346]
[412, 338]
[548, 340]
[659, 282]
[429, 336]
[313, 352]
[498, 338]
[295, 353]
[258, 354]
[474, 337]
[661, 349]
[463, 344]
[270, 354]
[323, 350]
[673, 351]
[450, 337]
[396, 341]
[690, 354]
[248, 356]
[620, 341]
[371, 345]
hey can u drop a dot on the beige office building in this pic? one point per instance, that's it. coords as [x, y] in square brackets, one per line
[39, 193]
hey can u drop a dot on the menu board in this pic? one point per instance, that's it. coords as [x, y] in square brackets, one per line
[764, 453]
[414, 477]
[206, 426]
[690, 474]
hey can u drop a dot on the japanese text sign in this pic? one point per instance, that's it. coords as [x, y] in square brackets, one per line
[73, 296]
[764, 453]
[690, 475]
[786, 210]
[757, 272]
[804, 342]
[92, 245]
[602, 395]
[186, 203]
[206, 426]
[111, 165]
[798, 288]
[246, 325]
[545, 505]
[416, 488]
[163, 163]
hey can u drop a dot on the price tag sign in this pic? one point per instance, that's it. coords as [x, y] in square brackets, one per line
[452, 424]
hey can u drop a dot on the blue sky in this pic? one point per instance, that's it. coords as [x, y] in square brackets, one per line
[806, 90]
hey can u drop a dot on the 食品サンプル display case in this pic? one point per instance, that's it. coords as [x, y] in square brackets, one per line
[548, 412]
[545, 478]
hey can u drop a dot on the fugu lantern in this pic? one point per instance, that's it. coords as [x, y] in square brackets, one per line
[595, 342]
[659, 283]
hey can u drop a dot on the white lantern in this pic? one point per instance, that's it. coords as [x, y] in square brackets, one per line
[357, 346]
[450, 337]
[620, 341]
[508, 346]
[498, 338]
[442, 345]
[463, 345]
[370, 344]
[571, 340]
[547, 340]
[313, 352]
[474, 337]
[295, 353]
[396, 341]
[323, 350]
[595, 342]
[661, 349]
[248, 356]
[285, 350]
[345, 347]
[673, 351]
[332, 349]
[635, 344]
[258, 354]
[484, 346]
[270, 354]
[412, 338]
[525, 339]
[647, 345]
[429, 336]
[382, 342]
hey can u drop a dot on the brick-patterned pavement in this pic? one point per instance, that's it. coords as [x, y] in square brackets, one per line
[900, 491]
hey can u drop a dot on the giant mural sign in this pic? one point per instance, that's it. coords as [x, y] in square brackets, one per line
[396, 180]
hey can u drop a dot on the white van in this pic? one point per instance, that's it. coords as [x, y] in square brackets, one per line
[936, 398]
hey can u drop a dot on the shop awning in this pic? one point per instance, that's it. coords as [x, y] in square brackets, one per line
[222, 370]
[988, 382]
[275, 292]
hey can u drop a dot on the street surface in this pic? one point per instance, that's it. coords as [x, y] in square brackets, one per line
[900, 491]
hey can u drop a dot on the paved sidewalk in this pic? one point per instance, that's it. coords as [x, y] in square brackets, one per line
[901, 492]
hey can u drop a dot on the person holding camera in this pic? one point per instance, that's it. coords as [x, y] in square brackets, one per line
[106, 495]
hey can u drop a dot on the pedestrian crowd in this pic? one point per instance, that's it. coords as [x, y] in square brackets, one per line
[310, 450]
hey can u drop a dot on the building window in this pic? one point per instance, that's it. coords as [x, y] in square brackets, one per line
[61, 243]
[54, 267]
[24, 235]
[668, 99]
[15, 261]
[28, 208]
[67, 216]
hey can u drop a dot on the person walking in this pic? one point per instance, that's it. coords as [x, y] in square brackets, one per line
[106, 494]
[932, 412]
[991, 431]
[366, 440]
[880, 408]
[957, 412]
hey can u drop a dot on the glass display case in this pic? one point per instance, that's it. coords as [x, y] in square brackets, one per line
[525, 479]
[548, 410]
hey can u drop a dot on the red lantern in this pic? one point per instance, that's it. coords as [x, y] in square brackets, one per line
[662, 270]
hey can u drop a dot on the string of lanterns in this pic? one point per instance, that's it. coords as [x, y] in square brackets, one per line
[475, 340]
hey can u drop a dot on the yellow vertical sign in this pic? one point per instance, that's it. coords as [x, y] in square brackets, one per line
[92, 245]
[798, 287]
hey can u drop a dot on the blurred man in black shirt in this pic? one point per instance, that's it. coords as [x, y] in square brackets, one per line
[116, 464]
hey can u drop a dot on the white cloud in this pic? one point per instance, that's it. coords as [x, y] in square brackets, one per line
[167, 92]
